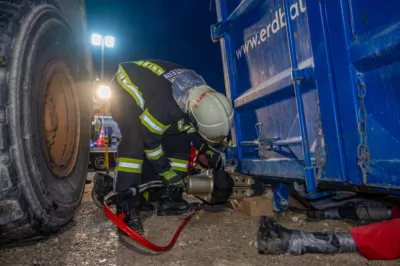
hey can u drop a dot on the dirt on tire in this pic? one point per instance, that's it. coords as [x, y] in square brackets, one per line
[44, 109]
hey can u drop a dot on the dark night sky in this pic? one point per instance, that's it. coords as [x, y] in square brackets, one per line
[171, 30]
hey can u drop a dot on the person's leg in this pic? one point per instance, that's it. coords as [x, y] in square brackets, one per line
[129, 161]
[177, 149]
[152, 195]
[355, 212]
[274, 239]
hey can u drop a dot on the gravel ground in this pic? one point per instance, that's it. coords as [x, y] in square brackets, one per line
[225, 238]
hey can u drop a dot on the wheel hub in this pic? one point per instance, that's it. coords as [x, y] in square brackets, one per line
[60, 119]
[100, 163]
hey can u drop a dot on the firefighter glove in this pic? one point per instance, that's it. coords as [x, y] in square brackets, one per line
[210, 158]
[171, 177]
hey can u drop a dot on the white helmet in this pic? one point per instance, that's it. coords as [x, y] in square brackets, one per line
[210, 111]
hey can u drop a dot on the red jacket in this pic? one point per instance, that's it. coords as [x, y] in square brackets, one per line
[379, 241]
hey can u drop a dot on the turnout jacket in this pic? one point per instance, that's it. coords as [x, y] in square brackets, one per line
[149, 83]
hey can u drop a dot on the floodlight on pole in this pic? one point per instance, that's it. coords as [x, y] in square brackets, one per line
[109, 41]
[97, 39]
[103, 41]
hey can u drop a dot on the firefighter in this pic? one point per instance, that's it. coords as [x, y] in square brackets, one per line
[161, 109]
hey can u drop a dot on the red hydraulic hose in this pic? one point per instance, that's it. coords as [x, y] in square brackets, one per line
[395, 212]
[119, 221]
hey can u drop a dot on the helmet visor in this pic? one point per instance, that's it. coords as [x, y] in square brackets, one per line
[183, 85]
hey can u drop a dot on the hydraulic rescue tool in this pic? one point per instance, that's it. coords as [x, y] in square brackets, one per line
[211, 186]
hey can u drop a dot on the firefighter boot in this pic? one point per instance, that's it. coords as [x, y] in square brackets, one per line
[102, 186]
[130, 208]
[275, 239]
[172, 203]
[145, 205]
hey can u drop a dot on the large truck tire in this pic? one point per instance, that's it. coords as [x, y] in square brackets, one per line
[44, 120]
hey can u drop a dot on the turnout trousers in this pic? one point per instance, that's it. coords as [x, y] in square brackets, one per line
[133, 168]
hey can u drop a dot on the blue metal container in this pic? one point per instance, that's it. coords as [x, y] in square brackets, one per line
[317, 96]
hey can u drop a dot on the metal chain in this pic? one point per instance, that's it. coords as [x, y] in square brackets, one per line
[363, 154]
[320, 149]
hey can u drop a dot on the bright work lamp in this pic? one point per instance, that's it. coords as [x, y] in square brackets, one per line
[104, 92]
[97, 39]
[109, 41]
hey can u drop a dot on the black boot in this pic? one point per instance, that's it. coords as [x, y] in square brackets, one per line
[102, 186]
[146, 206]
[172, 203]
[130, 207]
[132, 220]
[275, 239]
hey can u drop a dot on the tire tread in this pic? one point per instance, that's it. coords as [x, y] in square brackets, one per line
[16, 220]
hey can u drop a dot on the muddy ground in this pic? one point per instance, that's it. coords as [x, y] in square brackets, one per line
[225, 238]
